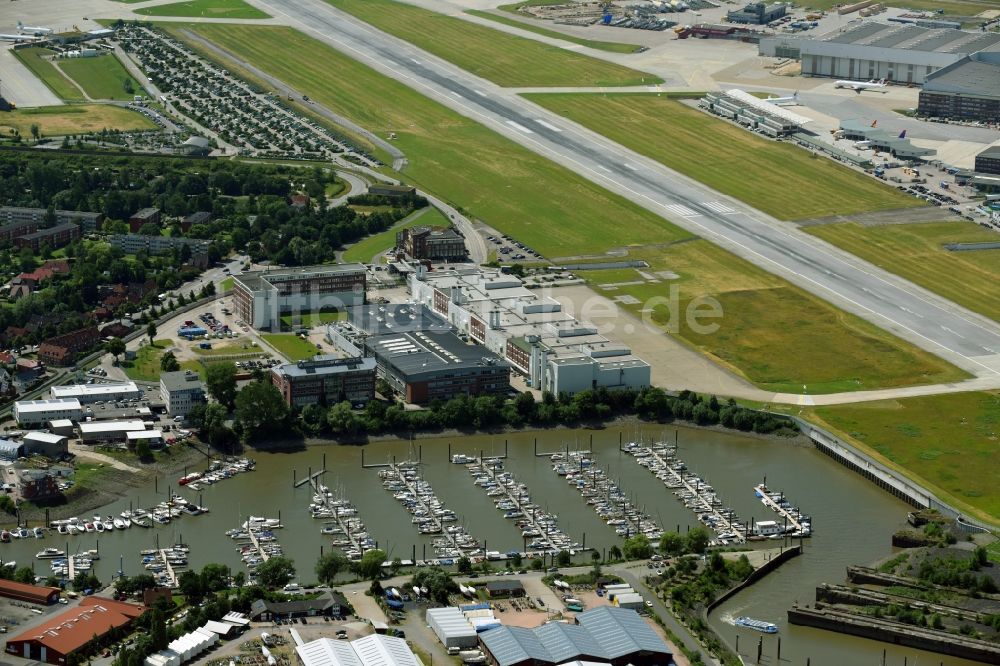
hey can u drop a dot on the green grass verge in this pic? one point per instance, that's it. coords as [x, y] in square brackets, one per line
[46, 71]
[949, 7]
[776, 335]
[312, 319]
[229, 9]
[146, 366]
[290, 346]
[73, 119]
[226, 284]
[613, 47]
[947, 442]
[102, 77]
[505, 59]
[515, 6]
[777, 178]
[516, 191]
[916, 252]
[366, 248]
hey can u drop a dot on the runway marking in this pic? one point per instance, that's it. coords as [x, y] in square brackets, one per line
[629, 166]
[603, 168]
[683, 211]
[945, 328]
[415, 61]
[480, 93]
[520, 127]
[455, 94]
[719, 207]
[547, 125]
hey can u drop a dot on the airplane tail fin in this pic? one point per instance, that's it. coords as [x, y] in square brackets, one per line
[795, 95]
[902, 135]
[874, 123]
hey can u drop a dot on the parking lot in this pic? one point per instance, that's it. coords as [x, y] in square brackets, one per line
[508, 249]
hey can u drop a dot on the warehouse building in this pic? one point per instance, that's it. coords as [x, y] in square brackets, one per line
[55, 641]
[373, 650]
[532, 333]
[325, 380]
[988, 161]
[180, 391]
[109, 431]
[754, 113]
[616, 636]
[872, 50]
[261, 297]
[10, 450]
[966, 90]
[46, 444]
[452, 628]
[32, 594]
[34, 413]
[91, 393]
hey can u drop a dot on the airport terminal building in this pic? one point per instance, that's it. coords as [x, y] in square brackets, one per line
[261, 297]
[898, 52]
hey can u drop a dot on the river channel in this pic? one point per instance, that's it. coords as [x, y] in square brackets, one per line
[852, 519]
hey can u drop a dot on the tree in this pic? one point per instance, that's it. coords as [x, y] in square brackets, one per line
[637, 548]
[35, 131]
[614, 553]
[396, 565]
[370, 564]
[115, 347]
[672, 543]
[342, 419]
[151, 331]
[220, 380]
[563, 558]
[439, 584]
[143, 451]
[329, 565]
[190, 586]
[464, 565]
[275, 572]
[24, 575]
[697, 540]
[215, 577]
[157, 630]
[169, 362]
[260, 407]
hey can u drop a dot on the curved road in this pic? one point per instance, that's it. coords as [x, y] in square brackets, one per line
[962, 337]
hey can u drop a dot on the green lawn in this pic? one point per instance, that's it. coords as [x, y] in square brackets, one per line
[226, 284]
[366, 248]
[777, 178]
[290, 346]
[102, 77]
[916, 252]
[516, 191]
[948, 442]
[311, 319]
[229, 9]
[613, 47]
[501, 57]
[146, 366]
[776, 335]
[46, 71]
[73, 119]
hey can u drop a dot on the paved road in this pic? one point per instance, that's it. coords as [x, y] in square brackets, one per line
[966, 339]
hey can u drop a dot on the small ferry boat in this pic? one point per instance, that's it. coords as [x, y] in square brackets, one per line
[49, 553]
[756, 625]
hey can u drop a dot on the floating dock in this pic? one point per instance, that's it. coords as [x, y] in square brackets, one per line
[796, 523]
[342, 518]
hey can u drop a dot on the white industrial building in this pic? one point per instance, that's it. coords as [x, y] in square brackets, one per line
[452, 628]
[32, 413]
[900, 52]
[373, 650]
[47, 444]
[554, 351]
[631, 600]
[90, 393]
[153, 438]
[109, 431]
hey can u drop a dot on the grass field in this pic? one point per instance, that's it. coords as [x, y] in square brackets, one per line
[916, 252]
[146, 366]
[505, 59]
[46, 71]
[226, 284]
[366, 248]
[228, 9]
[290, 346]
[60, 120]
[779, 179]
[311, 319]
[769, 330]
[102, 77]
[544, 205]
[613, 47]
[949, 442]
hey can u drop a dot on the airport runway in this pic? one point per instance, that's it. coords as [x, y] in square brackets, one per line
[966, 339]
[19, 85]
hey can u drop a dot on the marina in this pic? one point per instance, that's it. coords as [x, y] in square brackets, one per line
[691, 490]
[342, 522]
[256, 541]
[795, 522]
[166, 564]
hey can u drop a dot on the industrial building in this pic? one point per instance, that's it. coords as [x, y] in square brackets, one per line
[373, 650]
[325, 380]
[55, 641]
[33, 413]
[10, 450]
[152, 438]
[36, 217]
[444, 244]
[757, 13]
[753, 112]
[46, 444]
[452, 628]
[883, 142]
[988, 161]
[554, 351]
[32, 594]
[109, 431]
[91, 393]
[261, 297]
[965, 90]
[180, 391]
[616, 636]
[869, 50]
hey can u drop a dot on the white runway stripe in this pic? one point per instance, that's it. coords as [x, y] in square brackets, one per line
[718, 207]
[678, 209]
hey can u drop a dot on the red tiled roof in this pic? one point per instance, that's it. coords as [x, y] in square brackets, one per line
[73, 629]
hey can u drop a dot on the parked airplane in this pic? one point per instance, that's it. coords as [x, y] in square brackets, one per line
[785, 101]
[858, 86]
[17, 39]
[38, 32]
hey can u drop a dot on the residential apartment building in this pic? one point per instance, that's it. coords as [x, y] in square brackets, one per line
[180, 391]
[325, 380]
[55, 237]
[134, 243]
[63, 349]
[144, 216]
[10, 215]
[261, 297]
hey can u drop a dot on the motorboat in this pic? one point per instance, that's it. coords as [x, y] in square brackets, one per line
[756, 625]
[39, 533]
[50, 553]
